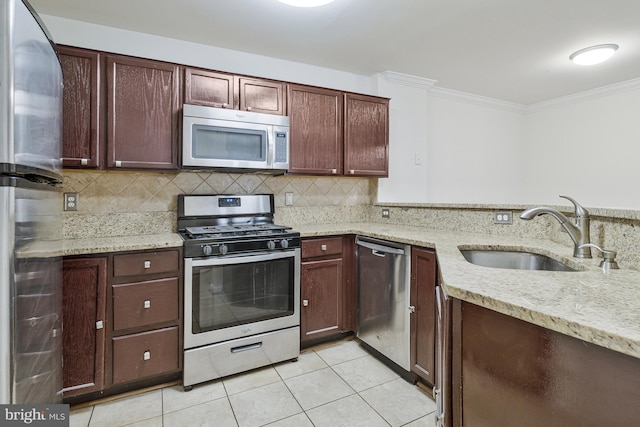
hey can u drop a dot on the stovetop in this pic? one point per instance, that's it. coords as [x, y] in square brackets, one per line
[218, 225]
[232, 231]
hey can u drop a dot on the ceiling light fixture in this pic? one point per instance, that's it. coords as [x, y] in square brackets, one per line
[306, 3]
[594, 54]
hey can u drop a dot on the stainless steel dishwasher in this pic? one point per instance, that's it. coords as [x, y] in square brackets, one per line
[384, 271]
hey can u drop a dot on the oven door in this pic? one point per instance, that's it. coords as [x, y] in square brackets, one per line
[241, 295]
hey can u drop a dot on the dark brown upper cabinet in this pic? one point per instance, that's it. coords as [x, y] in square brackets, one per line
[213, 89]
[82, 135]
[208, 88]
[143, 113]
[261, 96]
[337, 133]
[316, 130]
[366, 135]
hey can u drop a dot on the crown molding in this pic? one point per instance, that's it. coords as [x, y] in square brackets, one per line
[407, 80]
[470, 98]
[586, 95]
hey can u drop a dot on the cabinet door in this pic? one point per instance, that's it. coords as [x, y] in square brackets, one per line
[261, 96]
[208, 88]
[316, 130]
[81, 108]
[510, 372]
[423, 326]
[143, 113]
[84, 316]
[321, 298]
[366, 136]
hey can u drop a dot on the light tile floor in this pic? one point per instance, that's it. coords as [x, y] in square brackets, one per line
[337, 384]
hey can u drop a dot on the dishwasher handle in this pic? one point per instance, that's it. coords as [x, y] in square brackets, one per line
[378, 249]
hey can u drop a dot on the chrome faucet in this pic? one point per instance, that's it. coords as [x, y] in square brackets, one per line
[579, 232]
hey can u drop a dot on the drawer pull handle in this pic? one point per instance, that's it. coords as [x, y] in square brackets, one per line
[146, 355]
[147, 304]
[99, 324]
[147, 264]
[246, 347]
[323, 247]
[305, 302]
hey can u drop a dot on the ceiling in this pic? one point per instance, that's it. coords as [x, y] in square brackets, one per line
[512, 50]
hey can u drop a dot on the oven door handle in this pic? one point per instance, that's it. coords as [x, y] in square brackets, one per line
[246, 347]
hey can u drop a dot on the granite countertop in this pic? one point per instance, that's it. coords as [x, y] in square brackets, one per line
[99, 245]
[589, 304]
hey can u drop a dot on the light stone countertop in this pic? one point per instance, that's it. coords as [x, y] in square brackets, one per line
[100, 245]
[600, 308]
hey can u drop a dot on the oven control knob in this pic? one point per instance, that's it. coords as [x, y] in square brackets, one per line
[284, 243]
[207, 250]
[223, 249]
[271, 244]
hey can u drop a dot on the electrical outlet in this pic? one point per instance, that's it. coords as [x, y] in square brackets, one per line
[288, 199]
[70, 201]
[385, 213]
[503, 217]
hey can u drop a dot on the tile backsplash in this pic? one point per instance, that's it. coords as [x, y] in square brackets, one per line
[119, 202]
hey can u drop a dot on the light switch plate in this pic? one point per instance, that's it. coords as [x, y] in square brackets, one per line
[288, 199]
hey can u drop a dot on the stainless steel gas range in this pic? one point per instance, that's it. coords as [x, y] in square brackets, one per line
[242, 285]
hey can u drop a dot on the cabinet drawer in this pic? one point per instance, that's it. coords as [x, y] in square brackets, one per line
[145, 354]
[321, 247]
[145, 303]
[145, 263]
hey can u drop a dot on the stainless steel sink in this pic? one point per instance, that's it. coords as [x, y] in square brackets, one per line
[513, 260]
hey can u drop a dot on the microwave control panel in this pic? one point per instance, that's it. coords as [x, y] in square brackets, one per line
[281, 147]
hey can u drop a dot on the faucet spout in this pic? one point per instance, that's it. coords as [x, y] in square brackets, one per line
[579, 232]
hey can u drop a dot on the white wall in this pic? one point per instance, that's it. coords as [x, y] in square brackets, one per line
[408, 138]
[586, 148]
[474, 150]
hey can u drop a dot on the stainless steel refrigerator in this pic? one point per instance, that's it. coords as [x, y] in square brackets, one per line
[30, 205]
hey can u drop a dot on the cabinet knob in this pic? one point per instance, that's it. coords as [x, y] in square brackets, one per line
[305, 302]
[147, 304]
[99, 324]
[323, 247]
[146, 355]
[147, 264]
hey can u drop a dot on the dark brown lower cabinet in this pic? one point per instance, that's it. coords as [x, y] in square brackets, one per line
[328, 290]
[84, 324]
[507, 372]
[423, 327]
[122, 322]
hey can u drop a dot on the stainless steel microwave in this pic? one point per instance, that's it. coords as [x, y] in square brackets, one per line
[233, 140]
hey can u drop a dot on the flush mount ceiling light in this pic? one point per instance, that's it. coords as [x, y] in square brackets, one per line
[594, 54]
[306, 3]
